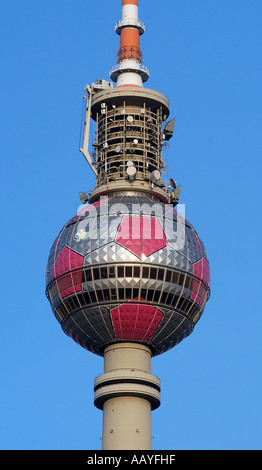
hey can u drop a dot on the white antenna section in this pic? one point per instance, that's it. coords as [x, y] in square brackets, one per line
[85, 144]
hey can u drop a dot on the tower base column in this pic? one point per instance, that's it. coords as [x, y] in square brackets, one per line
[127, 392]
[127, 424]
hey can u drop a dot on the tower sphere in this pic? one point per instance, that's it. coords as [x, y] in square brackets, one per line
[128, 268]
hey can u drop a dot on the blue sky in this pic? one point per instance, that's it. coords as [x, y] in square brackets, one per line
[206, 57]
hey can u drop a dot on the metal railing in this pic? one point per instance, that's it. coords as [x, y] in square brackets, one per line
[130, 22]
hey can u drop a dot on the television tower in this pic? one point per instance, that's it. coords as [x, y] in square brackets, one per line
[128, 276]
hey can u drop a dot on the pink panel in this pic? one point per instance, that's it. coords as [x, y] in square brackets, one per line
[141, 235]
[79, 341]
[65, 261]
[89, 208]
[68, 260]
[136, 321]
[202, 271]
[196, 243]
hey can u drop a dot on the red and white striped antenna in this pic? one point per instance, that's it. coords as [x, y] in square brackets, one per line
[129, 69]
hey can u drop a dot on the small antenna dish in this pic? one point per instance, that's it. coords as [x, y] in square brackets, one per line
[131, 172]
[169, 129]
[155, 176]
[172, 183]
[83, 197]
[175, 195]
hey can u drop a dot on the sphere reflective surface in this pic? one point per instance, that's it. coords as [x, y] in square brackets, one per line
[128, 268]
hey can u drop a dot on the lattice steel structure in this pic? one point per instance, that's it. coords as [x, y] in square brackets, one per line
[128, 276]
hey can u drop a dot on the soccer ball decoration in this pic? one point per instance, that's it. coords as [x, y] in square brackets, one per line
[128, 269]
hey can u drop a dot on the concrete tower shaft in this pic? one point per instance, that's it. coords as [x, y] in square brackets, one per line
[127, 392]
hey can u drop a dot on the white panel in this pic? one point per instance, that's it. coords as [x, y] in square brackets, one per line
[129, 78]
[129, 11]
